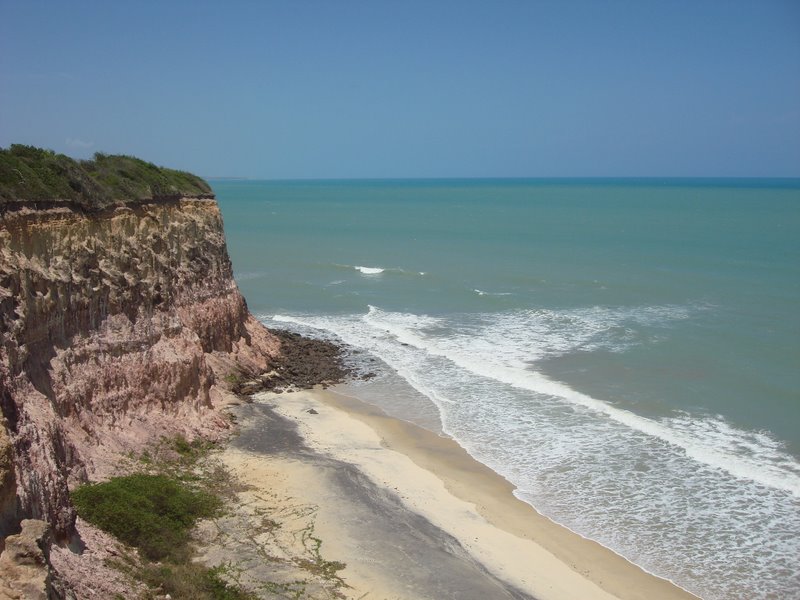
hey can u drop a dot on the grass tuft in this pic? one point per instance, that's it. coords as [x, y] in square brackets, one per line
[193, 581]
[153, 513]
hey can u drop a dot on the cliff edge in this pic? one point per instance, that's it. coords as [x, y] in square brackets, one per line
[120, 322]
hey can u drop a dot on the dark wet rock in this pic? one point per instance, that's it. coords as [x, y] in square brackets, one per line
[302, 363]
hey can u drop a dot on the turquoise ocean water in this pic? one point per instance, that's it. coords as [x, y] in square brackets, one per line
[626, 352]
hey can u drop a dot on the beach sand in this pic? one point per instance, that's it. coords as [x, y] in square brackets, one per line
[410, 513]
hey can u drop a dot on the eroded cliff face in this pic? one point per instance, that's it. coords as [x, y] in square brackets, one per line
[118, 327]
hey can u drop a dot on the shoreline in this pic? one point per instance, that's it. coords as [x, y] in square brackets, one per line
[473, 529]
[463, 476]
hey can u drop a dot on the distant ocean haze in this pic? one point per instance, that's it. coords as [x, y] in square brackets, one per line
[626, 352]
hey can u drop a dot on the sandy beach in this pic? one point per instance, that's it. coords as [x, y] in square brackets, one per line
[408, 512]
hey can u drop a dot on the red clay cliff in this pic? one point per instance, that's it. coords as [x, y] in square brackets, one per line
[118, 326]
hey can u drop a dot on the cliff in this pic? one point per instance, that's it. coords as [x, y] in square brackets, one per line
[119, 322]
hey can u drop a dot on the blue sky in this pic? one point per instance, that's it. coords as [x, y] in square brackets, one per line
[302, 89]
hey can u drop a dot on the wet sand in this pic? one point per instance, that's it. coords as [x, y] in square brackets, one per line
[410, 512]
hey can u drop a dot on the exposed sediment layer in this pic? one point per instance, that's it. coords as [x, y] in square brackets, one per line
[117, 327]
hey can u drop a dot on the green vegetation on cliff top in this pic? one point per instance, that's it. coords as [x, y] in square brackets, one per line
[33, 174]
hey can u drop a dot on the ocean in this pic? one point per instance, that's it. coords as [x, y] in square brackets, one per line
[625, 351]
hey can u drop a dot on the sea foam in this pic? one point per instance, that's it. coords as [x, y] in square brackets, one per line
[644, 487]
[369, 270]
[740, 453]
[482, 293]
[378, 270]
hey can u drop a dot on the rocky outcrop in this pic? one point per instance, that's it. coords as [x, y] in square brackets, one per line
[117, 326]
[24, 565]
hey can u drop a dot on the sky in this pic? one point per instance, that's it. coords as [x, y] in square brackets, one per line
[393, 89]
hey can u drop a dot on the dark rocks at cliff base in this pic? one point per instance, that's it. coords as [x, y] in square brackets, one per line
[301, 364]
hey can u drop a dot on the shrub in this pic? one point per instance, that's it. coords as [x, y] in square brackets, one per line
[193, 581]
[28, 173]
[151, 512]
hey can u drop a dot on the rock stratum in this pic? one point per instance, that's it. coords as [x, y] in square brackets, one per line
[120, 323]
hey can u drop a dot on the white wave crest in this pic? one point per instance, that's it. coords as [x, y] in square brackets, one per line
[364, 270]
[369, 270]
[608, 473]
[479, 357]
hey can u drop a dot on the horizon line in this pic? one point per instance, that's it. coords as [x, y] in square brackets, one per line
[506, 178]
